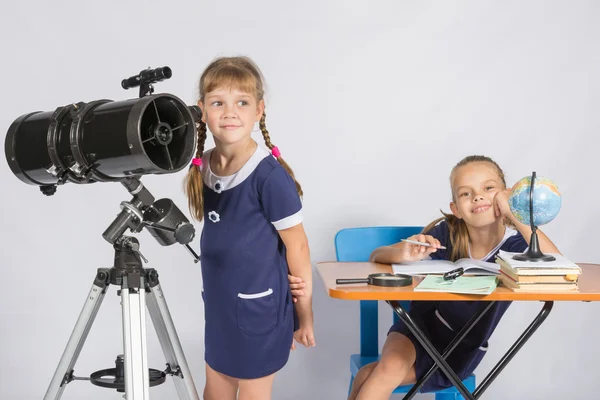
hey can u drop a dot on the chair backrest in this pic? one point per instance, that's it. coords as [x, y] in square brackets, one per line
[356, 245]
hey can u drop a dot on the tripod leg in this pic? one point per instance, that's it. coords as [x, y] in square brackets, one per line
[137, 381]
[64, 371]
[169, 341]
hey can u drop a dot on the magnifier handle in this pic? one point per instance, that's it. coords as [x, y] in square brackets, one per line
[344, 281]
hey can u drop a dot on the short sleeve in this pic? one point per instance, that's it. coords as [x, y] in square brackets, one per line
[515, 244]
[441, 233]
[280, 200]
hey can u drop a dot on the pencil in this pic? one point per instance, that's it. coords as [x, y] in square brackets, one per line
[421, 243]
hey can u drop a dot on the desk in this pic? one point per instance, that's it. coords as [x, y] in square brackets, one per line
[589, 290]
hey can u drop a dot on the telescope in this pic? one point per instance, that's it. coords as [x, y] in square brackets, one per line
[104, 140]
[118, 141]
[112, 141]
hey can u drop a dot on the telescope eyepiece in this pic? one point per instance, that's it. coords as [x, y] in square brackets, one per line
[147, 76]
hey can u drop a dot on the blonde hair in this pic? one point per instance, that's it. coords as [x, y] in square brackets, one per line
[458, 232]
[243, 74]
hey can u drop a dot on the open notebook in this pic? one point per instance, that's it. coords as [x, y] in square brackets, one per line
[425, 267]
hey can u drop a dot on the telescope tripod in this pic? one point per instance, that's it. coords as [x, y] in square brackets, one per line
[131, 373]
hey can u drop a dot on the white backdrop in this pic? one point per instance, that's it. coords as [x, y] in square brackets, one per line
[371, 103]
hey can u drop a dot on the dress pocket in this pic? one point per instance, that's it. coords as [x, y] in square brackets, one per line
[257, 312]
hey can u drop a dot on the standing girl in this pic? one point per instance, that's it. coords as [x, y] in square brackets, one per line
[480, 225]
[252, 236]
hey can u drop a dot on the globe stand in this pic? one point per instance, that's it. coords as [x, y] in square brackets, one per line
[533, 253]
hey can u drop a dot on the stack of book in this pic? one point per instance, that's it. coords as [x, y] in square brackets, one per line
[538, 276]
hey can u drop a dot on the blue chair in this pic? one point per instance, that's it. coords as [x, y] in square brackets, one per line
[356, 245]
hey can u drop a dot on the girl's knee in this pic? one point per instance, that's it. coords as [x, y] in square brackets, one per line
[398, 355]
[395, 365]
[366, 370]
[361, 377]
[218, 393]
[219, 386]
[391, 366]
[256, 389]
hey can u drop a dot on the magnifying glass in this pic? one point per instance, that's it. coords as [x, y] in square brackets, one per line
[382, 279]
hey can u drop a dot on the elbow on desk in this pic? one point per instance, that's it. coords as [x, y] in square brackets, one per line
[385, 255]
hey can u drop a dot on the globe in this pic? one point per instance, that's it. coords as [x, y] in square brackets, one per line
[546, 200]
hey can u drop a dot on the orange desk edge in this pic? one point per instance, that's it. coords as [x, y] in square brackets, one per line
[589, 286]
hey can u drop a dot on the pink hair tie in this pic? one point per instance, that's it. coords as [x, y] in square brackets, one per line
[275, 151]
[197, 161]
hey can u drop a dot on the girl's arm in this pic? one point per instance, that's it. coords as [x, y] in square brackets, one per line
[388, 254]
[546, 245]
[298, 258]
[502, 209]
[404, 251]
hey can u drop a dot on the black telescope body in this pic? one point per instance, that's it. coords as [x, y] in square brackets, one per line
[102, 141]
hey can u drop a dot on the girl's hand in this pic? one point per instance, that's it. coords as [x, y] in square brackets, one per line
[501, 207]
[296, 284]
[417, 252]
[305, 335]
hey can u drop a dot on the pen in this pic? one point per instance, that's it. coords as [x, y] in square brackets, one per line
[421, 243]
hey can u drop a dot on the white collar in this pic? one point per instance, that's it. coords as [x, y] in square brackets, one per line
[221, 183]
[508, 232]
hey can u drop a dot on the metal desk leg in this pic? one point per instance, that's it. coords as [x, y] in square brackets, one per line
[514, 348]
[535, 324]
[431, 350]
[449, 349]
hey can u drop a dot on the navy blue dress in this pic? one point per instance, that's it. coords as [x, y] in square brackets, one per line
[440, 321]
[248, 308]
